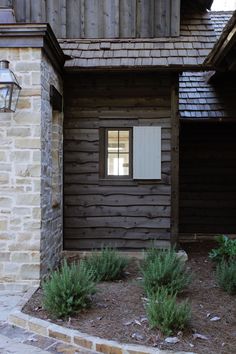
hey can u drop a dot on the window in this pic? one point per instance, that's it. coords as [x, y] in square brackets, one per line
[127, 153]
[117, 145]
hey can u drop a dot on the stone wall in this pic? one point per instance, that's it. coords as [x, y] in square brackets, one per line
[51, 182]
[25, 140]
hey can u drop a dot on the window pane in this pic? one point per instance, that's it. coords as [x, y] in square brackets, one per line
[113, 140]
[124, 140]
[123, 164]
[113, 165]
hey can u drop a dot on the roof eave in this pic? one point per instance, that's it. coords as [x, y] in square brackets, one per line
[223, 45]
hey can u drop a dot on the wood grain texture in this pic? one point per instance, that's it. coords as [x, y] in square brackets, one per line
[127, 214]
[102, 18]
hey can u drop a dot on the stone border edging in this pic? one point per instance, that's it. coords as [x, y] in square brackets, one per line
[75, 337]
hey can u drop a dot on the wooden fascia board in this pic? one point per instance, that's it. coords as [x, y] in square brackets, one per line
[33, 36]
[170, 68]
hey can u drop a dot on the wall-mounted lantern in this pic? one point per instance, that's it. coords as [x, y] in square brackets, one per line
[9, 88]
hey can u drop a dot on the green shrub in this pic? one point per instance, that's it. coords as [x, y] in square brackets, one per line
[226, 276]
[226, 250]
[107, 265]
[68, 290]
[166, 314]
[163, 268]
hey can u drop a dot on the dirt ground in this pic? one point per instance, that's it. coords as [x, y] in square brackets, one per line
[118, 311]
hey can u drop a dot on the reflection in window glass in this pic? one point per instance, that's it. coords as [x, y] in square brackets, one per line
[118, 152]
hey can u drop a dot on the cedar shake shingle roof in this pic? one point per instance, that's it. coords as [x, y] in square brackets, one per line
[200, 99]
[219, 20]
[189, 50]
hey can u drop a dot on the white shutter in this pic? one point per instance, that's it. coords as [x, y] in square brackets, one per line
[147, 152]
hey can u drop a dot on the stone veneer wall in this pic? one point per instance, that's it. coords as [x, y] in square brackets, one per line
[51, 182]
[24, 145]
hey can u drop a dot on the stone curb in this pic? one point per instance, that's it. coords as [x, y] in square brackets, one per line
[74, 337]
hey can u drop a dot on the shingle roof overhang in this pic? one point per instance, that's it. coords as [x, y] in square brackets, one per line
[223, 54]
[186, 52]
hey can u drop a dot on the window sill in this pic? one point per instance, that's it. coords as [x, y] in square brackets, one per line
[117, 182]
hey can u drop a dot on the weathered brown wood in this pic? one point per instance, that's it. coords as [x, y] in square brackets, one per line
[119, 243]
[160, 189]
[134, 211]
[118, 199]
[130, 234]
[97, 204]
[127, 16]
[6, 3]
[175, 18]
[174, 159]
[207, 178]
[102, 18]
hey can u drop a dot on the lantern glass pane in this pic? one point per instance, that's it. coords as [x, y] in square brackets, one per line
[6, 76]
[5, 93]
[15, 96]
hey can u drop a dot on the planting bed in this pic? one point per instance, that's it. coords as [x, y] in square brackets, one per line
[118, 311]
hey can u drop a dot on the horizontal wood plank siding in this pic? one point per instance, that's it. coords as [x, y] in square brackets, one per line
[125, 214]
[207, 178]
[102, 18]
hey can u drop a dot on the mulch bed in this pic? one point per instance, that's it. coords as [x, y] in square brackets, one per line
[118, 311]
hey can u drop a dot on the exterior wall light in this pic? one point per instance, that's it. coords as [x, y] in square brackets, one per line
[9, 88]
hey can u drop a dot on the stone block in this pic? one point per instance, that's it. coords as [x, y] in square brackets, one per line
[3, 225]
[20, 156]
[5, 167]
[36, 213]
[26, 80]
[28, 66]
[35, 257]
[4, 179]
[28, 118]
[4, 256]
[28, 199]
[24, 103]
[61, 334]
[14, 54]
[19, 132]
[28, 170]
[27, 143]
[20, 320]
[108, 349]
[83, 342]
[36, 54]
[38, 327]
[25, 53]
[31, 92]
[3, 156]
[30, 271]
[36, 78]
[37, 156]
[20, 257]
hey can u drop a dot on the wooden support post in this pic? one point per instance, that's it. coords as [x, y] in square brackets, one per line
[174, 159]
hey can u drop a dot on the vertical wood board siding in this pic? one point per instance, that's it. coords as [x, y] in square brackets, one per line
[102, 18]
[127, 214]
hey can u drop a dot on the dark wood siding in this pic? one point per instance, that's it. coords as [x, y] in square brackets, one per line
[207, 178]
[102, 18]
[126, 214]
